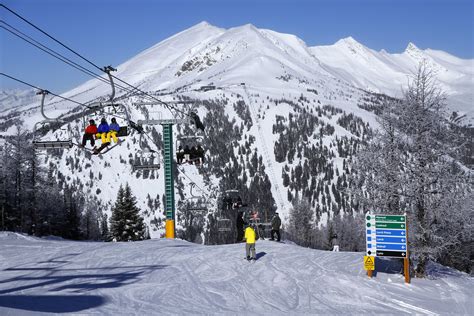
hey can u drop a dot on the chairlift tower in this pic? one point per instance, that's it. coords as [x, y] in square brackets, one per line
[168, 162]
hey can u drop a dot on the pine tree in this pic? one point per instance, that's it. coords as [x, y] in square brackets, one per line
[301, 221]
[104, 228]
[126, 224]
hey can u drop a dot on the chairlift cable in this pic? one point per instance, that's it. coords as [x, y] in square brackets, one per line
[51, 37]
[49, 51]
[35, 87]
[57, 55]
[62, 44]
[91, 63]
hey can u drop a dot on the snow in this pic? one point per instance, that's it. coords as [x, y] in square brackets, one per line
[176, 277]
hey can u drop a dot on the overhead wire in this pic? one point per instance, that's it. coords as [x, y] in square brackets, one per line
[169, 107]
[38, 88]
[78, 67]
[14, 31]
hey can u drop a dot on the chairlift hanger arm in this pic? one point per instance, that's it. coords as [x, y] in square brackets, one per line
[44, 93]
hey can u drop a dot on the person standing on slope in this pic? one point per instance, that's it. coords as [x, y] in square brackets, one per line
[276, 223]
[250, 238]
[240, 222]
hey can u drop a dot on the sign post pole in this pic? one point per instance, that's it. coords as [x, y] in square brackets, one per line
[406, 260]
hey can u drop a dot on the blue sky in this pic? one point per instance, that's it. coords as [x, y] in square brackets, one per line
[112, 31]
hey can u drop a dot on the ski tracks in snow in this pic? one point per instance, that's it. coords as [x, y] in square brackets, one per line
[173, 277]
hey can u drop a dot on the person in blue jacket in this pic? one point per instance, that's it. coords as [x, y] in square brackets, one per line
[114, 129]
[103, 131]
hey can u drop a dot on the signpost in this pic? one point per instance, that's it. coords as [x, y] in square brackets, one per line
[386, 236]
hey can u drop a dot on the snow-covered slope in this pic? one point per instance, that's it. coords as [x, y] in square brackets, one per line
[15, 97]
[172, 277]
[388, 73]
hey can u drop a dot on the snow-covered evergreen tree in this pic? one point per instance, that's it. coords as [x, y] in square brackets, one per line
[126, 223]
[301, 222]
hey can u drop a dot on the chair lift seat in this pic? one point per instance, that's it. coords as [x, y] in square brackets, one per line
[223, 225]
[53, 144]
[146, 167]
[123, 131]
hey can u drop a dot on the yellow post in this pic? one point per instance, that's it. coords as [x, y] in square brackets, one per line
[169, 229]
[369, 273]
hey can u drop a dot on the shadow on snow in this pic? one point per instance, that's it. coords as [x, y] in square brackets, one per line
[54, 277]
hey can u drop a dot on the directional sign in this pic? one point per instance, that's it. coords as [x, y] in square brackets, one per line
[391, 254]
[390, 218]
[391, 239]
[390, 225]
[390, 232]
[386, 235]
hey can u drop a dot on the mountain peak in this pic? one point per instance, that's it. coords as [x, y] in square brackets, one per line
[348, 40]
[202, 25]
[412, 48]
[350, 43]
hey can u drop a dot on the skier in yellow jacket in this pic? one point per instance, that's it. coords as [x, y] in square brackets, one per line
[250, 238]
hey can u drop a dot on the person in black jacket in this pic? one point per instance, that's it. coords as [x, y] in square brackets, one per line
[276, 223]
[240, 223]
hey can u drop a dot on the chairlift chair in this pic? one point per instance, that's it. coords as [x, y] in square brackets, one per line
[224, 225]
[145, 150]
[196, 204]
[49, 144]
[231, 199]
[121, 113]
[185, 145]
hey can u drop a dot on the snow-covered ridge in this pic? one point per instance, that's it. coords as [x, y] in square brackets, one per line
[12, 98]
[388, 73]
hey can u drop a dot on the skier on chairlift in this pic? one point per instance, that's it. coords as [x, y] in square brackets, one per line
[89, 134]
[237, 203]
[114, 129]
[187, 153]
[193, 155]
[200, 154]
[103, 133]
[180, 155]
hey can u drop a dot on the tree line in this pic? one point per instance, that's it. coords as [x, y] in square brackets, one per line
[35, 199]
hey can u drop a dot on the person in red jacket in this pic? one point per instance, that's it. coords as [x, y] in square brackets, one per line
[89, 134]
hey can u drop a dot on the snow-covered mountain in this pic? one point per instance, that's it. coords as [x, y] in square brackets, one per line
[15, 97]
[388, 73]
[281, 124]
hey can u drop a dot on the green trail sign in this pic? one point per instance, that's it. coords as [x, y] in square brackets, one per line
[390, 225]
[390, 218]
